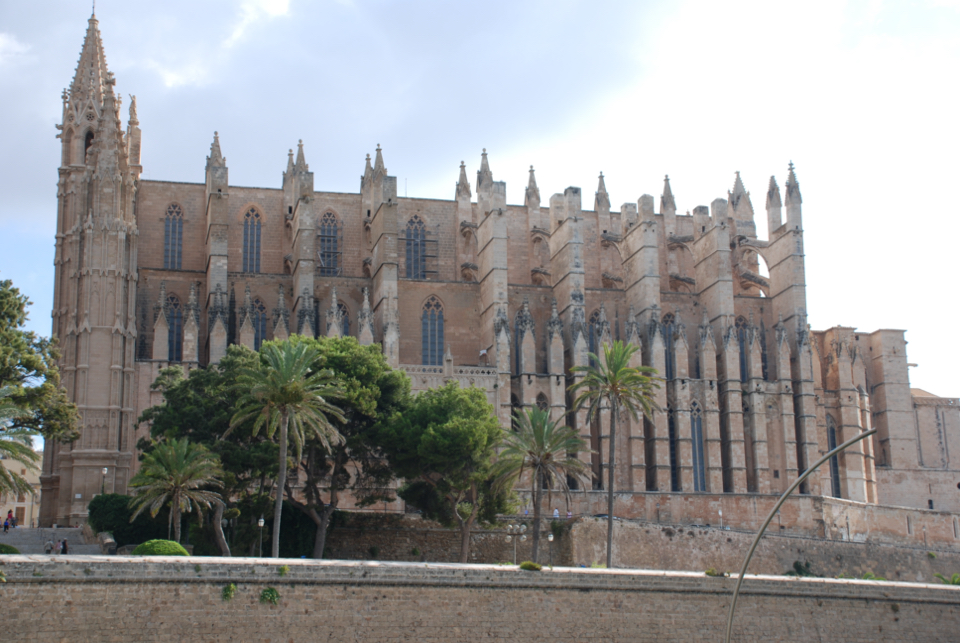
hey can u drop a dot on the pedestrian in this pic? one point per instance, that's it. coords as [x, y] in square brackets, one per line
[556, 513]
[569, 514]
[48, 547]
[6, 525]
[58, 547]
[64, 552]
[13, 523]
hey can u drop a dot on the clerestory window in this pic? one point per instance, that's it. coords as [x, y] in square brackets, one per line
[173, 238]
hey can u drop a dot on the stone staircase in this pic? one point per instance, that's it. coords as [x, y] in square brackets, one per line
[31, 541]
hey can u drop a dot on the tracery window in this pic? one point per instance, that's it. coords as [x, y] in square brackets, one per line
[593, 336]
[834, 461]
[542, 403]
[669, 362]
[173, 238]
[674, 456]
[174, 329]
[258, 315]
[344, 320]
[251, 241]
[431, 323]
[741, 327]
[329, 245]
[416, 245]
[696, 434]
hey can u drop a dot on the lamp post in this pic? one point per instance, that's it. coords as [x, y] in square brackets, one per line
[550, 540]
[516, 533]
[260, 524]
[103, 481]
[720, 511]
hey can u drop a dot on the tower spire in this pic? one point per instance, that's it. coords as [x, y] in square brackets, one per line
[602, 199]
[378, 166]
[792, 187]
[216, 157]
[301, 165]
[532, 197]
[463, 185]
[667, 202]
[484, 175]
[91, 71]
[739, 200]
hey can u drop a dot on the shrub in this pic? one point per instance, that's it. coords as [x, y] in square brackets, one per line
[530, 566]
[872, 576]
[930, 554]
[374, 552]
[596, 565]
[414, 552]
[953, 580]
[160, 548]
[270, 595]
[8, 549]
[228, 592]
[111, 512]
[284, 570]
[800, 569]
[713, 572]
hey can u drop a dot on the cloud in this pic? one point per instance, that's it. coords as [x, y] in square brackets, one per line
[11, 49]
[251, 11]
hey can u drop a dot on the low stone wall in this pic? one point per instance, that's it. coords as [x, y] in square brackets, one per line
[678, 547]
[173, 599]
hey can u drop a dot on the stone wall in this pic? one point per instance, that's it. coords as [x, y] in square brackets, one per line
[170, 599]
[678, 547]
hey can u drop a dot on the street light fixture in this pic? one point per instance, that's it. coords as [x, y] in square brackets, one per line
[103, 481]
[516, 533]
[550, 540]
[260, 524]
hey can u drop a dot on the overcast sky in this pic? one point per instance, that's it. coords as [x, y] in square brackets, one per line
[862, 96]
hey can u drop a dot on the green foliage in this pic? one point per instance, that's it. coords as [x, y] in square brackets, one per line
[414, 552]
[229, 591]
[596, 565]
[28, 372]
[716, 574]
[558, 528]
[953, 580]
[800, 569]
[270, 595]
[111, 512]
[374, 552]
[444, 446]
[176, 473]
[530, 566]
[160, 548]
[872, 576]
[8, 549]
[930, 554]
[283, 570]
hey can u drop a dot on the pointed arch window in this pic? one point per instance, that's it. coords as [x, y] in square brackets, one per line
[696, 434]
[593, 335]
[674, 456]
[251, 240]
[173, 238]
[174, 329]
[431, 323]
[834, 461]
[258, 315]
[416, 246]
[542, 402]
[87, 143]
[741, 326]
[763, 349]
[669, 362]
[329, 238]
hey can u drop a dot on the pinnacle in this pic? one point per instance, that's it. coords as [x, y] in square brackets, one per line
[667, 202]
[463, 184]
[91, 67]
[216, 157]
[792, 186]
[301, 164]
[773, 194]
[378, 163]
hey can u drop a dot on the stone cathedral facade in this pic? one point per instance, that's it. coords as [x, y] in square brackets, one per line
[504, 297]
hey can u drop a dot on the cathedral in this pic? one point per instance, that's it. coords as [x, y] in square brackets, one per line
[505, 297]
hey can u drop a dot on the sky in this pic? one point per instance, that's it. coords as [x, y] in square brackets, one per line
[861, 96]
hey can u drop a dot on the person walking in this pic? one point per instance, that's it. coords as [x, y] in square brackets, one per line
[64, 552]
[6, 525]
[58, 547]
[48, 546]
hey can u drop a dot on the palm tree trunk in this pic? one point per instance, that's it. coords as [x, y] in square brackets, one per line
[281, 484]
[537, 499]
[218, 530]
[176, 516]
[610, 464]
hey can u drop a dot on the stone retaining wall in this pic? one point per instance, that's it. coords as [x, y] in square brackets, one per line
[173, 599]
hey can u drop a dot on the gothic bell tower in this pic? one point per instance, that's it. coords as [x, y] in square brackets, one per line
[94, 289]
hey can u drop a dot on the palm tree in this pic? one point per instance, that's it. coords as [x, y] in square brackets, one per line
[612, 383]
[176, 472]
[285, 392]
[543, 448]
[15, 444]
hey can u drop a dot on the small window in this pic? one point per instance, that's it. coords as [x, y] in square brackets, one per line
[930, 503]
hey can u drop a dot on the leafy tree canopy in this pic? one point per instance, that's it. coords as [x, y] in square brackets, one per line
[28, 366]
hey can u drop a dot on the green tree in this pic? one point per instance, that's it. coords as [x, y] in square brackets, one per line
[199, 407]
[28, 372]
[444, 446]
[611, 383]
[543, 449]
[286, 392]
[370, 392]
[16, 443]
[112, 512]
[176, 472]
